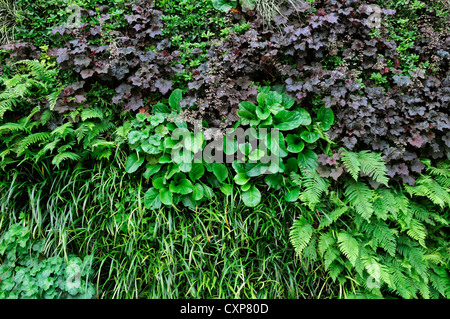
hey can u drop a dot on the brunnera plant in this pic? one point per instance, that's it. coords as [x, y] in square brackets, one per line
[184, 167]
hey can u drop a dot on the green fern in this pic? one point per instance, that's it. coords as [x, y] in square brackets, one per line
[314, 187]
[349, 246]
[300, 234]
[61, 157]
[365, 162]
[359, 196]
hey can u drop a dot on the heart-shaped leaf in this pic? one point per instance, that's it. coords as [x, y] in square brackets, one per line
[166, 196]
[152, 199]
[251, 197]
[197, 171]
[310, 137]
[220, 171]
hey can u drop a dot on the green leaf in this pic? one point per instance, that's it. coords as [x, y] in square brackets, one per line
[310, 137]
[294, 143]
[181, 186]
[220, 171]
[307, 160]
[227, 189]
[273, 98]
[166, 196]
[241, 178]
[161, 108]
[224, 5]
[326, 117]
[151, 169]
[289, 120]
[288, 101]
[245, 148]
[274, 181]
[174, 100]
[133, 163]
[152, 199]
[251, 197]
[134, 137]
[261, 98]
[198, 191]
[161, 130]
[262, 113]
[194, 143]
[256, 169]
[159, 183]
[197, 171]
[292, 194]
[248, 107]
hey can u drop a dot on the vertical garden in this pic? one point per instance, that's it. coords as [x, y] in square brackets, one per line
[282, 149]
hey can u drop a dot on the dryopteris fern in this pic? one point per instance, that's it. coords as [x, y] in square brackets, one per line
[18, 90]
[365, 162]
[29, 139]
[435, 186]
[378, 242]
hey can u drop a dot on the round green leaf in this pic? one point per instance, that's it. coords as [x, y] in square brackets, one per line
[307, 160]
[182, 186]
[166, 196]
[152, 199]
[310, 137]
[292, 195]
[220, 171]
[251, 197]
[241, 178]
[197, 171]
[198, 192]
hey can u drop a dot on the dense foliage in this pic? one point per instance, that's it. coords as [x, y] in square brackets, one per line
[225, 149]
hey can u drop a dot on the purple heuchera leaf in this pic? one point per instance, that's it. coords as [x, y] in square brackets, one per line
[62, 55]
[416, 140]
[134, 103]
[336, 172]
[163, 85]
[87, 73]
[82, 59]
[59, 29]
[417, 166]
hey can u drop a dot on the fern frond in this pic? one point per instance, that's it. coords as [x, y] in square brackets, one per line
[426, 186]
[417, 231]
[349, 246]
[330, 218]
[300, 234]
[58, 159]
[359, 196]
[315, 186]
[63, 130]
[13, 127]
[326, 241]
[92, 114]
[31, 139]
[351, 162]
[372, 165]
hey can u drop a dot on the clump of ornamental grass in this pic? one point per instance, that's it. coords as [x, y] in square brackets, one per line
[9, 14]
